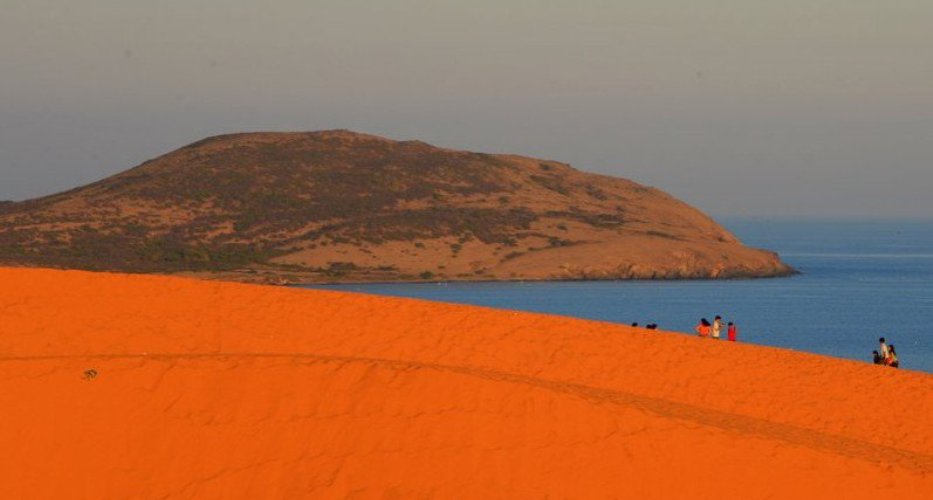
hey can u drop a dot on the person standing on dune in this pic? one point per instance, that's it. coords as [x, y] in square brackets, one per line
[732, 332]
[883, 348]
[717, 327]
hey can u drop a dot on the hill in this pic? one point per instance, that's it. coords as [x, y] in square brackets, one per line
[117, 386]
[338, 205]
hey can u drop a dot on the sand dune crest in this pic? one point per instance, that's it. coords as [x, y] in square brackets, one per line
[220, 390]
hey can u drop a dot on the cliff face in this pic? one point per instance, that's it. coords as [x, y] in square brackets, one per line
[337, 205]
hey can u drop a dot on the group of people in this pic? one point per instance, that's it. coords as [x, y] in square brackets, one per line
[887, 355]
[713, 330]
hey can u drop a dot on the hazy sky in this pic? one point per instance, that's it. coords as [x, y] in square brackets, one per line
[740, 107]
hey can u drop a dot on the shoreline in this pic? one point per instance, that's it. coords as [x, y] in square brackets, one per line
[297, 278]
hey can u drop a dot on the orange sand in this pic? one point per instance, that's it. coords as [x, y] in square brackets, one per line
[223, 390]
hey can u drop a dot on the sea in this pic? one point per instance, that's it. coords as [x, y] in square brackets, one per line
[859, 280]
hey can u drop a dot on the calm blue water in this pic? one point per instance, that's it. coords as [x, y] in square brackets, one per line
[861, 280]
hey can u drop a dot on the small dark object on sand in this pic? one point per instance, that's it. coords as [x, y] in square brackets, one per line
[90, 374]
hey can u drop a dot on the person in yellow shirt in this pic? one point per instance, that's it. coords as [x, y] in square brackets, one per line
[717, 327]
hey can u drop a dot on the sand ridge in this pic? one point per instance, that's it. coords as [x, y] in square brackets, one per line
[221, 390]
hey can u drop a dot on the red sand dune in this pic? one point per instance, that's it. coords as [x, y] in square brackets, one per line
[222, 390]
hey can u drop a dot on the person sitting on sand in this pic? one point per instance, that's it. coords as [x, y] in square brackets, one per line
[883, 348]
[876, 358]
[703, 328]
[891, 359]
[732, 332]
[717, 327]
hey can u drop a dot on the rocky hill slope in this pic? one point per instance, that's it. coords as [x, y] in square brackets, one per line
[343, 206]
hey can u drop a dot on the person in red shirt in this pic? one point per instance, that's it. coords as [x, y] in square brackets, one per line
[703, 329]
[733, 331]
[892, 360]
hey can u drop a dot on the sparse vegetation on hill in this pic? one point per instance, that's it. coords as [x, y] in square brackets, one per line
[337, 205]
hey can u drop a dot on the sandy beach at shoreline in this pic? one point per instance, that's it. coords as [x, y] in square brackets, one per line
[138, 386]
